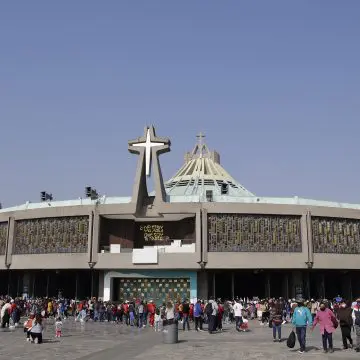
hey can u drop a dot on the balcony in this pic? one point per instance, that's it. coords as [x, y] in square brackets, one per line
[176, 246]
[175, 255]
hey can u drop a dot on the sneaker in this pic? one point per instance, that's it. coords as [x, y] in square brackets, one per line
[36, 341]
[301, 351]
[279, 340]
[274, 340]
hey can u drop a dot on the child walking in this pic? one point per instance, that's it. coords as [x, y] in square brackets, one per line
[58, 327]
[157, 319]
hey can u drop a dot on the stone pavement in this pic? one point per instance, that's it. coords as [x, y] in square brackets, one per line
[104, 341]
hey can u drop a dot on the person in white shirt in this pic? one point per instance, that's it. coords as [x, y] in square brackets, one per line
[5, 314]
[212, 314]
[238, 308]
[157, 320]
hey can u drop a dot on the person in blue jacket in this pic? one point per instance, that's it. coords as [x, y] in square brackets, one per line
[301, 319]
[198, 313]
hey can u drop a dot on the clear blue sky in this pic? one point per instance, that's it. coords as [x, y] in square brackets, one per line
[275, 85]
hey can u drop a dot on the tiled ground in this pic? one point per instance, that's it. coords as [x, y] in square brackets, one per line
[100, 341]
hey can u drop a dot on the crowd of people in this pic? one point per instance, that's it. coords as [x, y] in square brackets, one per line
[302, 315]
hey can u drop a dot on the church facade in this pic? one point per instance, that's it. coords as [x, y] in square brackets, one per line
[198, 234]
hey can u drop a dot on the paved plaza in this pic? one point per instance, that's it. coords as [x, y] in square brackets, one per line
[99, 341]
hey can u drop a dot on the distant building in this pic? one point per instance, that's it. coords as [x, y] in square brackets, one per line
[201, 233]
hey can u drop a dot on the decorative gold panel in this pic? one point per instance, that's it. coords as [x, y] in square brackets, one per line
[3, 237]
[52, 235]
[158, 290]
[336, 235]
[253, 233]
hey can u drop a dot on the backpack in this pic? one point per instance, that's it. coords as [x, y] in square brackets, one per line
[208, 309]
[357, 317]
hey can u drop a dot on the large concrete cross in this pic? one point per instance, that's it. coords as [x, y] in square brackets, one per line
[148, 145]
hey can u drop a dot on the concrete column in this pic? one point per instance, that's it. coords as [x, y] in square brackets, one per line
[76, 285]
[33, 284]
[18, 285]
[90, 236]
[198, 238]
[47, 284]
[214, 285]
[95, 235]
[202, 285]
[232, 286]
[9, 289]
[321, 285]
[346, 290]
[10, 241]
[101, 284]
[107, 286]
[306, 282]
[267, 285]
[26, 289]
[204, 236]
[297, 288]
[285, 286]
[304, 239]
[309, 240]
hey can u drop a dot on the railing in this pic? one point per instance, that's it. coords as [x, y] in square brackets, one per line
[106, 250]
[162, 247]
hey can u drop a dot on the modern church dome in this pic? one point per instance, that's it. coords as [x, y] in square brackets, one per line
[202, 174]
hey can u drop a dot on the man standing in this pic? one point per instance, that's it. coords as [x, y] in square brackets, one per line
[198, 312]
[356, 320]
[346, 323]
[186, 311]
[211, 312]
[301, 319]
[238, 314]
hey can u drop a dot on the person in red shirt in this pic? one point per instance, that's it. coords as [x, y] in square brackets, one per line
[220, 316]
[185, 313]
[125, 307]
[28, 325]
[151, 310]
[191, 312]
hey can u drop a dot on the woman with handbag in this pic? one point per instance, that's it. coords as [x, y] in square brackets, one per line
[328, 323]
